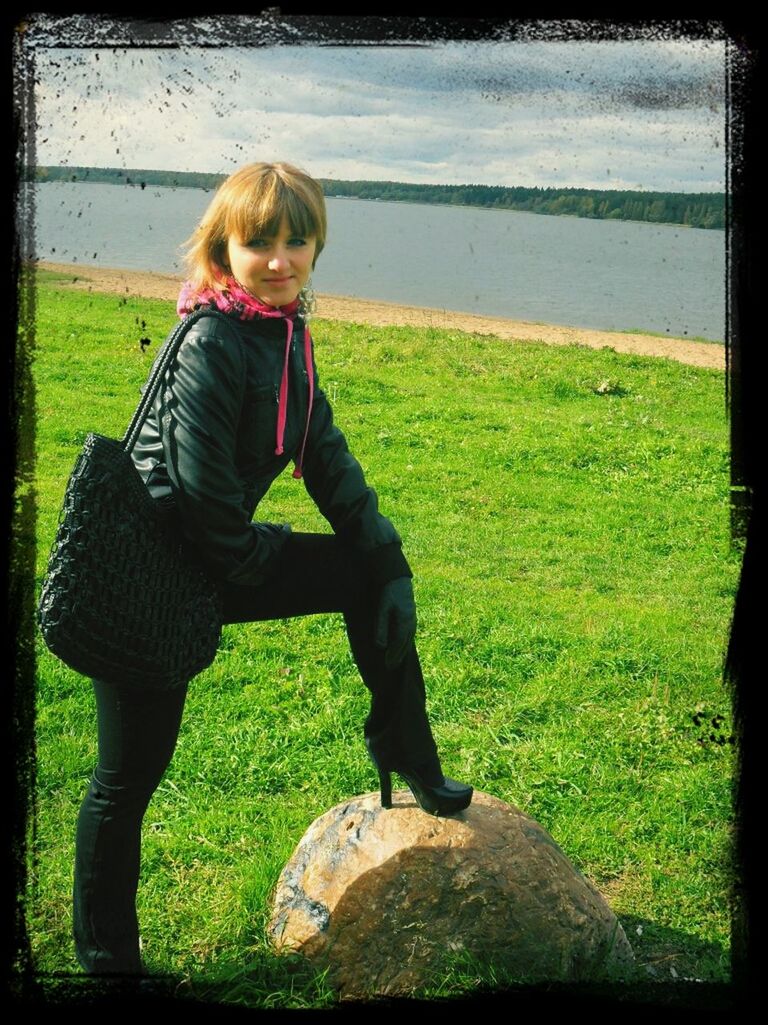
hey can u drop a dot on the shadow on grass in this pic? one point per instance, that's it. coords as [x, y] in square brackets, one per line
[672, 969]
[273, 982]
[671, 955]
[159, 993]
[267, 982]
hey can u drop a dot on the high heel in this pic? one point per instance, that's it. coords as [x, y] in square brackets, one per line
[385, 785]
[448, 799]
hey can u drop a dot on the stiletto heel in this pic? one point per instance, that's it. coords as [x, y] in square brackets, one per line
[385, 783]
[448, 799]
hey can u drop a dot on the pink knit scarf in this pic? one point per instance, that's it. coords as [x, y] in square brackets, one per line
[234, 299]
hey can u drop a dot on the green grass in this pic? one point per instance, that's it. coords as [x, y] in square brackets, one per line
[665, 334]
[48, 277]
[574, 582]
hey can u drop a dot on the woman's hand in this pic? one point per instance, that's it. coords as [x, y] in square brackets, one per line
[396, 620]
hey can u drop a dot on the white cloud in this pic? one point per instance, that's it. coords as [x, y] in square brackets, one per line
[500, 113]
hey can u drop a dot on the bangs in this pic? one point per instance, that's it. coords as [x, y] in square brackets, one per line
[262, 214]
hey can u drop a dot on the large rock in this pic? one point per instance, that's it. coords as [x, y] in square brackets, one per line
[384, 898]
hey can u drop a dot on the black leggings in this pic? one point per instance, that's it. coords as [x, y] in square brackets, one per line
[137, 734]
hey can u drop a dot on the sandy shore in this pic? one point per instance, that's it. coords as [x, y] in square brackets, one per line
[370, 311]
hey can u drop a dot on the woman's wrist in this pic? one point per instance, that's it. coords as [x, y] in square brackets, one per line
[387, 562]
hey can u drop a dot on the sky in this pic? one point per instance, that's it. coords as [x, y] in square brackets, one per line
[644, 114]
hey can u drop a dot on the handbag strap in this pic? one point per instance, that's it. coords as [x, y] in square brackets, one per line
[164, 360]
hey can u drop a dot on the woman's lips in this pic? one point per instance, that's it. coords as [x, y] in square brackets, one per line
[277, 281]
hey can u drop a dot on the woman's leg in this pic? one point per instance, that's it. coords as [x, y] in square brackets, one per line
[137, 734]
[316, 574]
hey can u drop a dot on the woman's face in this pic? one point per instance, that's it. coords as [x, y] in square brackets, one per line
[274, 269]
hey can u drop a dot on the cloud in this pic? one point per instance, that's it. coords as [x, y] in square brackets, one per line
[538, 113]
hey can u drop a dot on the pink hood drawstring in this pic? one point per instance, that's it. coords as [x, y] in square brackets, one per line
[282, 407]
[298, 471]
[236, 300]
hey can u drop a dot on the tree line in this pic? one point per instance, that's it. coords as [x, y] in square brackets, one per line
[696, 209]
[140, 177]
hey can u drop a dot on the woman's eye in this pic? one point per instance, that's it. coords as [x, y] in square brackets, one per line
[257, 243]
[297, 241]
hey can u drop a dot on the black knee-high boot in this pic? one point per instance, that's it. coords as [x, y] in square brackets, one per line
[137, 735]
[107, 859]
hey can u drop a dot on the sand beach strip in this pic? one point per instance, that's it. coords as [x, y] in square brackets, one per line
[378, 313]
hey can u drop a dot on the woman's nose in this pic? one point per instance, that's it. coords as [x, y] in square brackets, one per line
[278, 261]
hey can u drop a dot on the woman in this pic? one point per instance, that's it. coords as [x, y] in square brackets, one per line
[241, 401]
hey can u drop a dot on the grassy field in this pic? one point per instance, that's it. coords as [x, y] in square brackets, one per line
[565, 511]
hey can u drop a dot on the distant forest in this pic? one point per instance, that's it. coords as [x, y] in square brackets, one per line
[696, 209]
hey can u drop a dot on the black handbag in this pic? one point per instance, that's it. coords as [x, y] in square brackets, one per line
[123, 600]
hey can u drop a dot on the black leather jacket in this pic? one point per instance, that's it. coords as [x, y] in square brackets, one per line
[210, 439]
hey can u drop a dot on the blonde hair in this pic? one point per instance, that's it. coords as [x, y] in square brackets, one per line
[253, 202]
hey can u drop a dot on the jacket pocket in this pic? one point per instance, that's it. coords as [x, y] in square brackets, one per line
[258, 430]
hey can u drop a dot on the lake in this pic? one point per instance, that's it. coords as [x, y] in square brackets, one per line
[610, 275]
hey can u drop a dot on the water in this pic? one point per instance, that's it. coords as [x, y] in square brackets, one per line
[610, 275]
